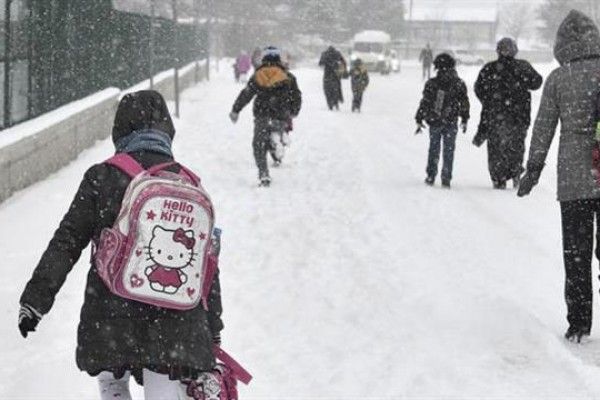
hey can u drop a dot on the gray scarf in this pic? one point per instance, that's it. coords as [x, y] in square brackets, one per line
[145, 140]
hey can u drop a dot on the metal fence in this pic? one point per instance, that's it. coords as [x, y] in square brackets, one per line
[55, 51]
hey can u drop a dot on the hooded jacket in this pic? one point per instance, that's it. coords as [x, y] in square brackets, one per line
[277, 94]
[116, 334]
[445, 99]
[569, 96]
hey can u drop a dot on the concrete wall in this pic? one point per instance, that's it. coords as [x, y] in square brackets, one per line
[53, 140]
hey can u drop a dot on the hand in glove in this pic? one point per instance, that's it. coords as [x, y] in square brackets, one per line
[420, 127]
[478, 141]
[528, 181]
[233, 116]
[29, 318]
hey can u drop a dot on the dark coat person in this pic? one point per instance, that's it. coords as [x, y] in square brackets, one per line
[503, 87]
[445, 99]
[359, 79]
[115, 334]
[426, 58]
[278, 100]
[335, 68]
[569, 96]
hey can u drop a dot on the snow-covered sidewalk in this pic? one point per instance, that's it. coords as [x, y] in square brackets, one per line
[348, 278]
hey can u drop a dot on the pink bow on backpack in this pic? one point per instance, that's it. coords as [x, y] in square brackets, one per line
[179, 236]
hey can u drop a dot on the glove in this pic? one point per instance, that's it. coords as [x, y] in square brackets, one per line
[233, 116]
[529, 180]
[420, 127]
[463, 126]
[29, 318]
[478, 141]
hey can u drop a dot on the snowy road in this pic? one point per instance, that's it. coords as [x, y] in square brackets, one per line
[348, 278]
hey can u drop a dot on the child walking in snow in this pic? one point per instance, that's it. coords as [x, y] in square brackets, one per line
[359, 78]
[278, 100]
[117, 337]
[444, 100]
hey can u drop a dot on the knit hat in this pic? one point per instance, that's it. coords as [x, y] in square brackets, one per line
[142, 110]
[507, 47]
[444, 61]
[271, 54]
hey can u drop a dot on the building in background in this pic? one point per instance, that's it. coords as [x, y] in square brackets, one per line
[446, 26]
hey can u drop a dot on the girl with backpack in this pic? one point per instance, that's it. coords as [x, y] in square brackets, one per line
[119, 337]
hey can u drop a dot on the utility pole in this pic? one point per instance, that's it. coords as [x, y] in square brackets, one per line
[409, 29]
[211, 13]
[176, 52]
[152, 20]
[7, 48]
[196, 39]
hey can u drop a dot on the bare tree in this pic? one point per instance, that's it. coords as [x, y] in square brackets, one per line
[516, 19]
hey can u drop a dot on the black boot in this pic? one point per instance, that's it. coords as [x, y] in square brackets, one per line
[430, 180]
[264, 181]
[446, 183]
[499, 185]
[575, 334]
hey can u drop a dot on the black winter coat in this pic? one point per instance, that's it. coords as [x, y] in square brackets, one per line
[335, 68]
[116, 334]
[445, 99]
[503, 87]
[277, 94]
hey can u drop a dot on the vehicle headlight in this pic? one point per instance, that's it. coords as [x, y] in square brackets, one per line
[353, 57]
[381, 57]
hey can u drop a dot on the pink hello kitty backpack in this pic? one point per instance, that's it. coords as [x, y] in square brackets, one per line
[159, 249]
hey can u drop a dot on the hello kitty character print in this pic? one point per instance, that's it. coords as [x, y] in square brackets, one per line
[171, 252]
[159, 249]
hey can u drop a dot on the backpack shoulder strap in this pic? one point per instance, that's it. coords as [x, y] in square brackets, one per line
[240, 373]
[125, 163]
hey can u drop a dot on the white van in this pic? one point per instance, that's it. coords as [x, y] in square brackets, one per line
[373, 48]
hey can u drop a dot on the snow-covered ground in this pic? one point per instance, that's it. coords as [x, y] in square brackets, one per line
[348, 278]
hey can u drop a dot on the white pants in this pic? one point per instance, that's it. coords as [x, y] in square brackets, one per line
[156, 387]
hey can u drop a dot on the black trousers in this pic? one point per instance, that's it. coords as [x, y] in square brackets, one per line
[357, 99]
[578, 246]
[261, 143]
[438, 134]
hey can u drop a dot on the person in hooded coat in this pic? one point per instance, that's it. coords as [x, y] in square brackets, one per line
[119, 337]
[334, 69]
[243, 64]
[503, 87]
[569, 96]
[278, 100]
[445, 99]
